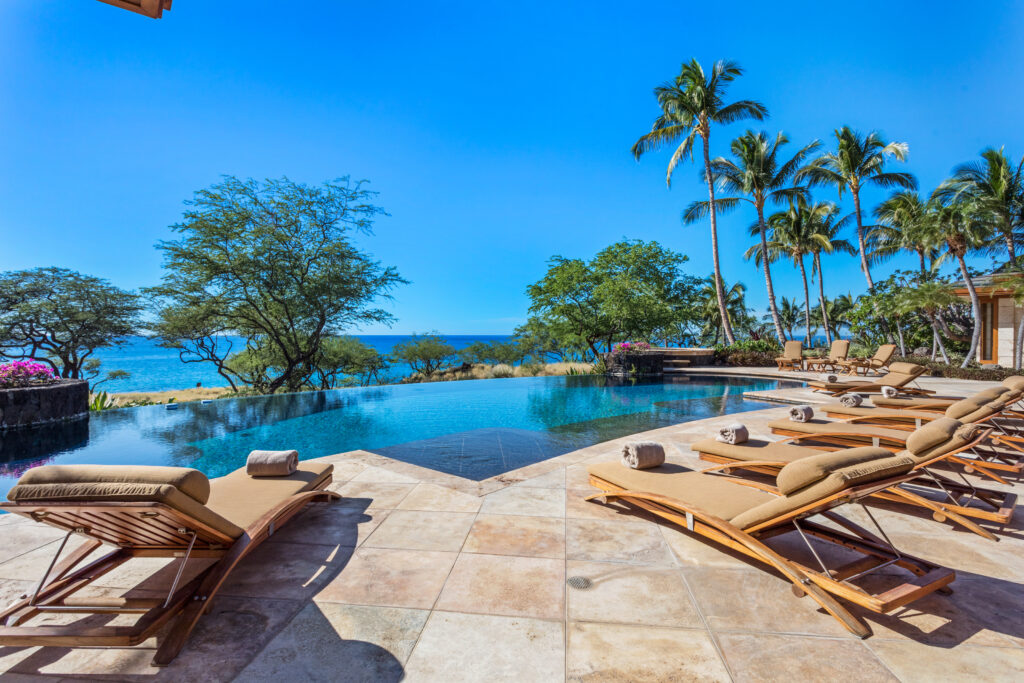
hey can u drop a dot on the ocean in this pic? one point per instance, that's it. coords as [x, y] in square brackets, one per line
[153, 368]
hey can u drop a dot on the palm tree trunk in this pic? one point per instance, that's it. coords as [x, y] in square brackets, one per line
[938, 340]
[899, 336]
[719, 290]
[821, 297]
[975, 351]
[1010, 248]
[860, 239]
[920, 255]
[768, 276]
[935, 339]
[1019, 345]
[807, 301]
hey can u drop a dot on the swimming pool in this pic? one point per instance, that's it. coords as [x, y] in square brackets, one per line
[474, 429]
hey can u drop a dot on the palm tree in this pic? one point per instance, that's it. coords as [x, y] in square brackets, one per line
[794, 236]
[839, 310]
[689, 105]
[929, 298]
[735, 305]
[903, 225]
[858, 161]
[996, 189]
[790, 315]
[758, 174]
[826, 226]
[957, 225]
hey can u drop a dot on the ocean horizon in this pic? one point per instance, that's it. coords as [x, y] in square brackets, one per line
[154, 368]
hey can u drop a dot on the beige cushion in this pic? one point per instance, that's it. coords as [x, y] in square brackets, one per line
[244, 499]
[1016, 382]
[907, 415]
[859, 432]
[935, 433]
[900, 402]
[983, 411]
[809, 470]
[993, 393]
[965, 406]
[111, 478]
[754, 449]
[906, 368]
[839, 480]
[960, 437]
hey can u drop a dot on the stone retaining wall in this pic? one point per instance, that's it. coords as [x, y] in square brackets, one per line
[641, 363]
[32, 406]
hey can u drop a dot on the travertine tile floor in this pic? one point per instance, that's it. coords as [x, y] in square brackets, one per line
[421, 576]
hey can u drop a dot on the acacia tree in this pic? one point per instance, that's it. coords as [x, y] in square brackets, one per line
[689, 105]
[859, 161]
[61, 317]
[273, 262]
[758, 175]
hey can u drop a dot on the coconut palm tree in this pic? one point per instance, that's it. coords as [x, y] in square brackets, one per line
[790, 315]
[826, 226]
[756, 175]
[859, 161]
[689, 105]
[794, 237]
[960, 229]
[904, 224]
[929, 297]
[997, 189]
[735, 306]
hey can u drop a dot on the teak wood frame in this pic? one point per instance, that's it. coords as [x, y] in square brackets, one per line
[138, 529]
[993, 506]
[818, 584]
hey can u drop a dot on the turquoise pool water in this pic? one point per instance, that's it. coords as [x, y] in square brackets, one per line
[474, 429]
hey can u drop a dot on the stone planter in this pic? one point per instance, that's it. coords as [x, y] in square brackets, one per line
[33, 406]
[638, 364]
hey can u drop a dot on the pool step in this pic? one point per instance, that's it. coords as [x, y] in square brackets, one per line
[669, 365]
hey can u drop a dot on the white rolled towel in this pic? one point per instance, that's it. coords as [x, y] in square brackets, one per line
[641, 455]
[889, 392]
[831, 379]
[734, 433]
[851, 400]
[271, 463]
[801, 413]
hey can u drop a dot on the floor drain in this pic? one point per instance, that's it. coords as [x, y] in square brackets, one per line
[580, 583]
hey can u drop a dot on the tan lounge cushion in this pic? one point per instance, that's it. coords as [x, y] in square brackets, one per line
[131, 479]
[715, 495]
[754, 449]
[810, 470]
[900, 402]
[863, 432]
[907, 415]
[839, 480]
[244, 499]
[1016, 382]
[961, 436]
[906, 369]
[965, 406]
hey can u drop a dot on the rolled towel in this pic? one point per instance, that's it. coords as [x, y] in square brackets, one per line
[801, 413]
[734, 433]
[271, 463]
[641, 455]
[831, 379]
[851, 400]
[889, 392]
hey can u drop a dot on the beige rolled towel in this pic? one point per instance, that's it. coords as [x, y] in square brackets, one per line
[851, 400]
[642, 455]
[890, 392]
[734, 433]
[801, 413]
[271, 463]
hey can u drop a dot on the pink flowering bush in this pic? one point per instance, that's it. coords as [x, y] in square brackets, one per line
[631, 347]
[25, 373]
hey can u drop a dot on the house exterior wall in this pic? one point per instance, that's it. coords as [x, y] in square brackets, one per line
[1008, 318]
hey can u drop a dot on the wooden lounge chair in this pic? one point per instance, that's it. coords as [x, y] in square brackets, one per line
[988, 460]
[983, 405]
[899, 377]
[1016, 383]
[941, 441]
[883, 356]
[792, 357]
[838, 352]
[172, 512]
[742, 515]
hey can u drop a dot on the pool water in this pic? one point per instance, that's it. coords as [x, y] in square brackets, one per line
[474, 429]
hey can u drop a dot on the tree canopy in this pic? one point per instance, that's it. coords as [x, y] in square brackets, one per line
[274, 262]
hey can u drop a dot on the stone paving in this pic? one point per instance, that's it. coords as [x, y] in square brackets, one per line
[421, 576]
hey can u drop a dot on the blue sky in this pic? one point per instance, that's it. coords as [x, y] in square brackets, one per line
[496, 136]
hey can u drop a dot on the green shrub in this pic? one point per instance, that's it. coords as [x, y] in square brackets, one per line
[973, 371]
[502, 371]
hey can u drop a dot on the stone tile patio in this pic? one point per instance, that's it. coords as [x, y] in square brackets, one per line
[421, 576]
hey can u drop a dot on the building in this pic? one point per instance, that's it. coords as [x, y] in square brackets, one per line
[1000, 317]
[149, 8]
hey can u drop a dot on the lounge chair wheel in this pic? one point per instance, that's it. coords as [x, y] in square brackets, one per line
[798, 591]
[968, 469]
[945, 590]
[938, 516]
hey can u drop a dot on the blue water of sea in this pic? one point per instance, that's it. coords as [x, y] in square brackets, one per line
[154, 368]
[474, 429]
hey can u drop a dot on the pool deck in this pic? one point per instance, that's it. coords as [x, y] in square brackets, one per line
[422, 576]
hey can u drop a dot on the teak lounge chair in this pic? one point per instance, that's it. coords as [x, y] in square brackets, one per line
[880, 360]
[838, 352]
[1014, 383]
[742, 515]
[792, 357]
[940, 441]
[899, 377]
[172, 512]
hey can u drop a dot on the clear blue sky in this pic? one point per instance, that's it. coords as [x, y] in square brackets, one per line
[496, 136]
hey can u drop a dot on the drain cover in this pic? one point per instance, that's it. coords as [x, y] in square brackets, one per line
[580, 583]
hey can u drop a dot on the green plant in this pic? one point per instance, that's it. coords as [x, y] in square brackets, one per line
[101, 401]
